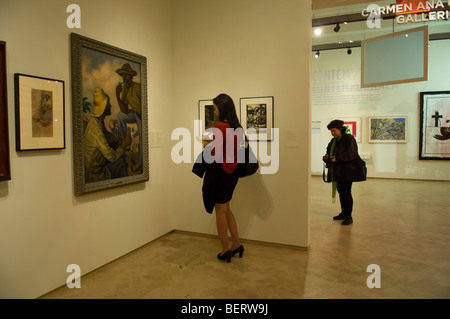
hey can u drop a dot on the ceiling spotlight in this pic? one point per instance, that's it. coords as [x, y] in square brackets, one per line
[349, 51]
[318, 31]
[337, 27]
[317, 54]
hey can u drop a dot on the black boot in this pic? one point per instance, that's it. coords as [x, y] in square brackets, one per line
[339, 217]
[347, 221]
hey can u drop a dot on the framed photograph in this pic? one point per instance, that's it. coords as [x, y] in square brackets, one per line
[39, 113]
[257, 117]
[206, 115]
[353, 125]
[434, 125]
[388, 129]
[110, 122]
[5, 168]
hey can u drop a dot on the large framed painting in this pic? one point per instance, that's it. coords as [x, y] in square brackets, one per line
[5, 168]
[40, 119]
[388, 129]
[257, 117]
[110, 121]
[434, 125]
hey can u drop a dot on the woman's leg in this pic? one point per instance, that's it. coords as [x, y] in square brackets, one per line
[225, 221]
[232, 226]
[222, 225]
[345, 197]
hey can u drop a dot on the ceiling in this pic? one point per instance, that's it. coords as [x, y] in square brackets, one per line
[358, 31]
[325, 4]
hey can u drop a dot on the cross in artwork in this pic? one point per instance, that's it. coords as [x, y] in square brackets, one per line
[436, 117]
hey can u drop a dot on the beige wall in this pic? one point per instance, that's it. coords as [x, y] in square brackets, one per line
[43, 226]
[247, 49]
[195, 49]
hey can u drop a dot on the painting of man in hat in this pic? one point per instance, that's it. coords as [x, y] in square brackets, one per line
[109, 116]
[104, 157]
[128, 94]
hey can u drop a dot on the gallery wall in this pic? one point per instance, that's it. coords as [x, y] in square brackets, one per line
[336, 93]
[247, 49]
[43, 226]
[195, 50]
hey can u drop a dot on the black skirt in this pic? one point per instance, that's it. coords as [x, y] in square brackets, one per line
[218, 186]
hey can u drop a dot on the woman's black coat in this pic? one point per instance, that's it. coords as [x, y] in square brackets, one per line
[346, 167]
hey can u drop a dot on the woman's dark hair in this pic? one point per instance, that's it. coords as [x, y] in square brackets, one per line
[227, 110]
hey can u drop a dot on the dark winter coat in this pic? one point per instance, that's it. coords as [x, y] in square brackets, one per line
[346, 167]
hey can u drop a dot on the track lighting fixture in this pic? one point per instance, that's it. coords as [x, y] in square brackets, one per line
[317, 54]
[337, 28]
[349, 51]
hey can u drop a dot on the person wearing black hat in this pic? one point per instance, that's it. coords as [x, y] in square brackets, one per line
[341, 156]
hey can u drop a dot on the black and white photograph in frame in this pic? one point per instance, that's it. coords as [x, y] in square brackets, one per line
[206, 115]
[257, 117]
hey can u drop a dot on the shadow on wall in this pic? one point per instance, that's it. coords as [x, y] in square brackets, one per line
[251, 198]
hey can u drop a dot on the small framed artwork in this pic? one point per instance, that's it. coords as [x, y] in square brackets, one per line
[39, 113]
[434, 125]
[206, 115]
[353, 125]
[257, 117]
[388, 129]
[5, 168]
[109, 114]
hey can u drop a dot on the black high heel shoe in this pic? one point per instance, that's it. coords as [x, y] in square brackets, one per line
[239, 250]
[226, 255]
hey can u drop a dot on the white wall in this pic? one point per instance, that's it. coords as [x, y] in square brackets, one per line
[247, 49]
[195, 50]
[387, 160]
[43, 226]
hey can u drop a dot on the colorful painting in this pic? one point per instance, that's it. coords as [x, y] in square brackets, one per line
[435, 125]
[110, 116]
[388, 129]
[353, 125]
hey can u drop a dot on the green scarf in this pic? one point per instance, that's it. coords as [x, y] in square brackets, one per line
[333, 183]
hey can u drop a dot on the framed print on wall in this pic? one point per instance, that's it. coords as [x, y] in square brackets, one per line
[353, 125]
[388, 129]
[434, 125]
[5, 167]
[39, 113]
[110, 123]
[206, 115]
[257, 115]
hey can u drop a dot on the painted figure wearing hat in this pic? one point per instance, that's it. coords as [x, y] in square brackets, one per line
[102, 161]
[128, 96]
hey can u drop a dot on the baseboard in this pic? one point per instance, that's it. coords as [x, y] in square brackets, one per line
[248, 241]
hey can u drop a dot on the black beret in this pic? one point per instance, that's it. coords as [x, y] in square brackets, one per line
[335, 124]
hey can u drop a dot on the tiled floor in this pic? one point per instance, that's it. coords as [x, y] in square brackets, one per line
[402, 226]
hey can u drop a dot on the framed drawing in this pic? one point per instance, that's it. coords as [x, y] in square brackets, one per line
[39, 113]
[206, 115]
[5, 167]
[388, 129]
[434, 125]
[257, 117]
[353, 125]
[110, 130]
